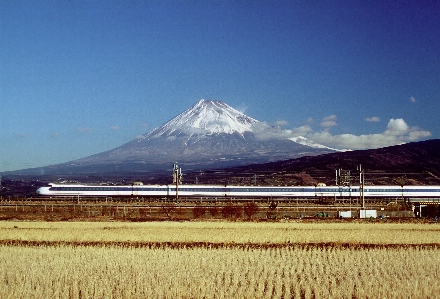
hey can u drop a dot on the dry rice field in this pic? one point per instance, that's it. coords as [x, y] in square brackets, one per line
[219, 260]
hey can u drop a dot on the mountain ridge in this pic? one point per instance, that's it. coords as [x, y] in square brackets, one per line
[415, 163]
[207, 134]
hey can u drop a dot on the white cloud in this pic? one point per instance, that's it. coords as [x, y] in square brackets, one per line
[418, 134]
[302, 131]
[396, 127]
[373, 119]
[264, 131]
[281, 122]
[114, 128]
[412, 99]
[397, 132]
[329, 121]
[84, 130]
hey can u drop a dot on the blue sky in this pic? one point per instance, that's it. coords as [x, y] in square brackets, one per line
[81, 77]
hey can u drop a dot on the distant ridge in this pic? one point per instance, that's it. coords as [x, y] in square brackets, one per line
[415, 163]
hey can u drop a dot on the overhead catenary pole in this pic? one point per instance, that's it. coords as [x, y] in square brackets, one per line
[177, 178]
[361, 185]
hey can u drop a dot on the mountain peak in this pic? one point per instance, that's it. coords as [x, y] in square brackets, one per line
[206, 117]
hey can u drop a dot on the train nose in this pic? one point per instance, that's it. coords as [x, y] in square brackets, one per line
[42, 190]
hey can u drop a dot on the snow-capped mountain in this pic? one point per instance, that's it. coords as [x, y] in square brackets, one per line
[207, 135]
[215, 117]
[206, 117]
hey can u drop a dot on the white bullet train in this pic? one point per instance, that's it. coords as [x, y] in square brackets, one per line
[409, 193]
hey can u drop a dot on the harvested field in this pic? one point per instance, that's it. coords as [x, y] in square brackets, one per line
[219, 260]
[224, 232]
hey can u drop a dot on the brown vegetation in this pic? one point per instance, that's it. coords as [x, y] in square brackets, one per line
[218, 260]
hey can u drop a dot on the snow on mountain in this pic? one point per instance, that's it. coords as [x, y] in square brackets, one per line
[304, 141]
[206, 117]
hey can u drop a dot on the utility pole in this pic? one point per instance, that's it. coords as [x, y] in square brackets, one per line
[343, 178]
[361, 185]
[177, 178]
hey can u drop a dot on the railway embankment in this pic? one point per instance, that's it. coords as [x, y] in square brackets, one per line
[188, 211]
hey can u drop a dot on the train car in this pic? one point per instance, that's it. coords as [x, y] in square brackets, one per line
[271, 191]
[383, 192]
[422, 194]
[103, 190]
[336, 191]
[199, 191]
